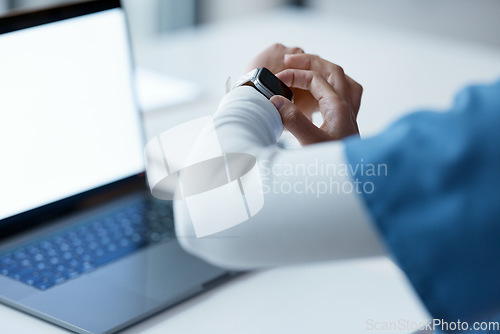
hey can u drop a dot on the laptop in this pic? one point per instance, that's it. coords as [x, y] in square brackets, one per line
[83, 243]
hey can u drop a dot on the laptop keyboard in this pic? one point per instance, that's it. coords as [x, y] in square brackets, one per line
[74, 251]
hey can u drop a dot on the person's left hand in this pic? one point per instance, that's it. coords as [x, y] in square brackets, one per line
[273, 58]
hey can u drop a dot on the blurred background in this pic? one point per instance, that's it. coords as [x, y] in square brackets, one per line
[475, 20]
[407, 54]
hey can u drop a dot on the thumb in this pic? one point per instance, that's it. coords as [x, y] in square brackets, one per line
[296, 122]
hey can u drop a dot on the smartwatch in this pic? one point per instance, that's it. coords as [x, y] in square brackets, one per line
[266, 83]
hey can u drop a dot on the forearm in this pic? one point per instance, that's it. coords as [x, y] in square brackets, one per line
[296, 223]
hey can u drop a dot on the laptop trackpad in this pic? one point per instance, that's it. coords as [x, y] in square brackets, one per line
[117, 293]
[160, 272]
[95, 308]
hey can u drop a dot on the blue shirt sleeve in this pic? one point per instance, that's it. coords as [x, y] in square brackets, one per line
[437, 204]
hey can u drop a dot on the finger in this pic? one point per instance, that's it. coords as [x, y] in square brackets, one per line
[294, 50]
[278, 47]
[333, 73]
[356, 92]
[297, 123]
[313, 82]
[315, 63]
[334, 110]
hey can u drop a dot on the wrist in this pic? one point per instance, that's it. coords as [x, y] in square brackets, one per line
[266, 83]
[245, 105]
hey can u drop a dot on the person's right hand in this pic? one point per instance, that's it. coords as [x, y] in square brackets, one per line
[337, 95]
[274, 58]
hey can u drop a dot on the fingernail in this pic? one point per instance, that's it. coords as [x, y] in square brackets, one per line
[278, 102]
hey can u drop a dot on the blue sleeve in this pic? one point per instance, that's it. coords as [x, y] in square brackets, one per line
[437, 201]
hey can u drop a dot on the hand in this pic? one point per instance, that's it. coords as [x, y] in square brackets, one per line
[337, 95]
[275, 58]
[272, 58]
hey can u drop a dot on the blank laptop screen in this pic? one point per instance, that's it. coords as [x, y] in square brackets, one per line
[68, 118]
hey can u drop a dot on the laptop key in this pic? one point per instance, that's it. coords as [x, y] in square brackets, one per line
[68, 254]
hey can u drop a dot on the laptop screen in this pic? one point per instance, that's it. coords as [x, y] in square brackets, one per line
[68, 117]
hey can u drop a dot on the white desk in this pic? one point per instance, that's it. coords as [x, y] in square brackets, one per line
[399, 73]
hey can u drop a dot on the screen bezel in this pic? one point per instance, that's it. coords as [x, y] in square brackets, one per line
[47, 213]
[273, 84]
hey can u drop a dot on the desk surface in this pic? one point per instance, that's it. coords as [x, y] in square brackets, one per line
[399, 71]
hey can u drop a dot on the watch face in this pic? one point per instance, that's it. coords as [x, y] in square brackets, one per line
[273, 84]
